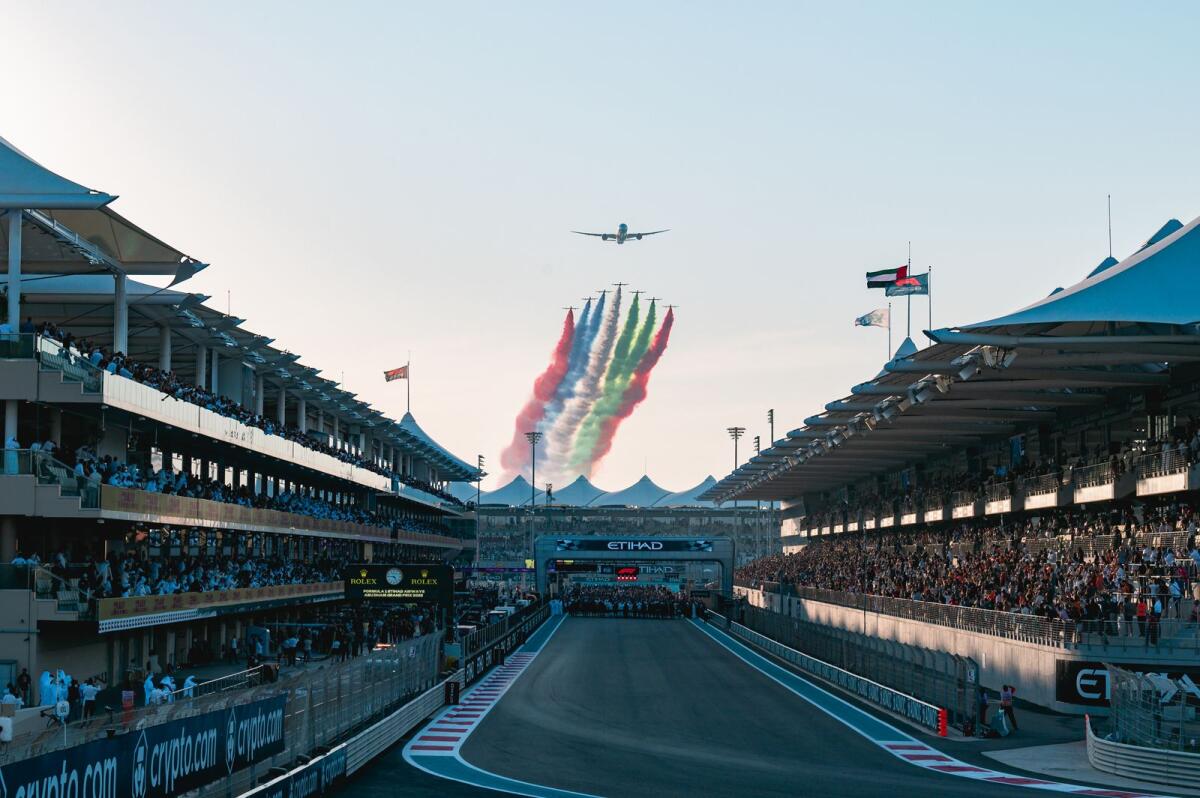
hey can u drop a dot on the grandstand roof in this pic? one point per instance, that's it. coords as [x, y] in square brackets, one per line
[579, 493]
[689, 497]
[643, 493]
[1117, 330]
[514, 494]
[25, 183]
[433, 450]
[582, 493]
[1145, 287]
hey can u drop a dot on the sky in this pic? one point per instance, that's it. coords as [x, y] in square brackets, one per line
[369, 179]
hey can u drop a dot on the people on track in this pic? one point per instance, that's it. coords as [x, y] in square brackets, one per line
[625, 601]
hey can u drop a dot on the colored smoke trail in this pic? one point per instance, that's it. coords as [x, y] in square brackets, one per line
[516, 456]
[637, 390]
[620, 371]
[585, 333]
[562, 434]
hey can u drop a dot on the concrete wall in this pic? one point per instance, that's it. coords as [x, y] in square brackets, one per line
[1031, 667]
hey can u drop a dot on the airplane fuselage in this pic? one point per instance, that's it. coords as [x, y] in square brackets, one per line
[621, 234]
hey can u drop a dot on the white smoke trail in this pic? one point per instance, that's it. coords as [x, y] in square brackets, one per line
[561, 436]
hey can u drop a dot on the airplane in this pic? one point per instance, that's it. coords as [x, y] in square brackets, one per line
[635, 293]
[618, 285]
[571, 307]
[622, 235]
[656, 299]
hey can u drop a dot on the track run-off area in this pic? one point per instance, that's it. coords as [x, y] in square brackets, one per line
[637, 707]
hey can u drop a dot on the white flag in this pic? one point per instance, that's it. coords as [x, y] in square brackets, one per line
[876, 318]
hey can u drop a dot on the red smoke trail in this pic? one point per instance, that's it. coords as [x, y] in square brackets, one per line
[516, 456]
[636, 390]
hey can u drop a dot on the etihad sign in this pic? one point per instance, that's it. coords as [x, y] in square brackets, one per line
[635, 545]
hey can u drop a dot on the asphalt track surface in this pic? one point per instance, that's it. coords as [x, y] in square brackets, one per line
[639, 707]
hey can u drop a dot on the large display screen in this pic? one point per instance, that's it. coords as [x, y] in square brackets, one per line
[413, 583]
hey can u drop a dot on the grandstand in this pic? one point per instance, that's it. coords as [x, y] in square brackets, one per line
[176, 490]
[643, 508]
[1031, 477]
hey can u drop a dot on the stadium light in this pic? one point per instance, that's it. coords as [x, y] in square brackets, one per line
[771, 421]
[533, 438]
[735, 433]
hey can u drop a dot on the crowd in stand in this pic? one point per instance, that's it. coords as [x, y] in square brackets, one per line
[1071, 565]
[624, 601]
[131, 575]
[118, 363]
[107, 470]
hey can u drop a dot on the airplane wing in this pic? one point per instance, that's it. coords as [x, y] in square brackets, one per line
[597, 235]
[651, 233]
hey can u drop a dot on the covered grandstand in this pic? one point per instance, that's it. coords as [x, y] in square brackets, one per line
[643, 508]
[1108, 361]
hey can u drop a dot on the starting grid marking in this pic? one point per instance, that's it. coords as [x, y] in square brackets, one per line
[446, 733]
[888, 737]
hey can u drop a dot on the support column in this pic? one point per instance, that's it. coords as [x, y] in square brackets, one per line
[10, 433]
[215, 372]
[337, 443]
[120, 314]
[281, 408]
[260, 387]
[201, 366]
[164, 347]
[14, 268]
[321, 422]
[8, 539]
[302, 414]
[56, 415]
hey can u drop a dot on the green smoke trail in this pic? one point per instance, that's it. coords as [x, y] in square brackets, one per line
[632, 345]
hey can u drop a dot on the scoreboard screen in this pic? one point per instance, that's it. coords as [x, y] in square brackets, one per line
[628, 573]
[575, 567]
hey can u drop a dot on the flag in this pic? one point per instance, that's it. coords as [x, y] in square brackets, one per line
[886, 278]
[876, 318]
[906, 286]
[396, 374]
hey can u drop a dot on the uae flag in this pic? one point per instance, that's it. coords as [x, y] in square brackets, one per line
[396, 374]
[886, 278]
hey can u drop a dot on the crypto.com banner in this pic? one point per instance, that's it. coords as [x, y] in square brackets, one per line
[155, 762]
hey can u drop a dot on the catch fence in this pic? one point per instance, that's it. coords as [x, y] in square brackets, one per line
[1153, 711]
[942, 679]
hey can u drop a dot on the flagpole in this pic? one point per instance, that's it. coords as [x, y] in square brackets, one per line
[408, 384]
[929, 299]
[889, 351]
[908, 312]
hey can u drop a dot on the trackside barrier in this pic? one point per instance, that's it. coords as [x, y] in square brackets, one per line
[319, 777]
[489, 646]
[931, 717]
[372, 742]
[1177, 768]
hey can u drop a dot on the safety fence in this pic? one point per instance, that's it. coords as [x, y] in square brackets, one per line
[1164, 634]
[485, 647]
[1157, 765]
[340, 700]
[1153, 710]
[933, 678]
[928, 715]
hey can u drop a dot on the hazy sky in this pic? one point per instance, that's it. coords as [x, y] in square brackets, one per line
[370, 178]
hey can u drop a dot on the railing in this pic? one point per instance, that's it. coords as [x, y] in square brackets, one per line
[17, 346]
[963, 497]
[998, 491]
[1093, 475]
[49, 471]
[1170, 634]
[1158, 765]
[73, 366]
[1161, 464]
[1045, 483]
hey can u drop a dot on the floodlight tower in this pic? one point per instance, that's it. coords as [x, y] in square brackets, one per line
[533, 438]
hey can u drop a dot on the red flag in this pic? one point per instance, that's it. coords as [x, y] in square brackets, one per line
[396, 374]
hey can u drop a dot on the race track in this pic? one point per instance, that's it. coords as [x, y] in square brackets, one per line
[635, 707]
